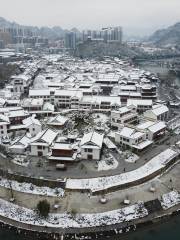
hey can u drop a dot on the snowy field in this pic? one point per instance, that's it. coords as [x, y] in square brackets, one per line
[170, 199]
[97, 184]
[107, 164]
[32, 189]
[66, 220]
[100, 118]
[131, 158]
[21, 161]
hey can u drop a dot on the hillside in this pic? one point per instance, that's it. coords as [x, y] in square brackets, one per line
[100, 49]
[168, 36]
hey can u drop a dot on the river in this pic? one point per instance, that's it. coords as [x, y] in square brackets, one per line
[160, 70]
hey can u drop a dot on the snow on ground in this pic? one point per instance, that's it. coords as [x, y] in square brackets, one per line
[170, 199]
[32, 189]
[177, 131]
[100, 118]
[66, 220]
[107, 164]
[97, 184]
[131, 158]
[21, 161]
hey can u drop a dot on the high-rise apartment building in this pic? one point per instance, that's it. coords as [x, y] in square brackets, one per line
[70, 40]
[110, 34]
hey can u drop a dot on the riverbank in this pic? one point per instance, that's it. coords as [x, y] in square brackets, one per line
[112, 232]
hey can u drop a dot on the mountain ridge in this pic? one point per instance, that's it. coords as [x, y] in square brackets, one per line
[167, 36]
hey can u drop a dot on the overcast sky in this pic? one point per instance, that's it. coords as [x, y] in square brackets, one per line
[135, 16]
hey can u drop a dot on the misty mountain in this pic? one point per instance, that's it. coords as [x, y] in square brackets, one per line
[55, 32]
[170, 35]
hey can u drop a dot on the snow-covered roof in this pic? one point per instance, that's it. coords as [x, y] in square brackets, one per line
[46, 136]
[113, 100]
[17, 113]
[21, 142]
[157, 127]
[28, 102]
[4, 119]
[130, 133]
[139, 102]
[152, 126]
[2, 101]
[57, 120]
[70, 93]
[62, 146]
[143, 144]
[109, 143]
[145, 125]
[92, 138]
[31, 121]
[48, 107]
[159, 109]
[39, 92]
[128, 88]
[123, 110]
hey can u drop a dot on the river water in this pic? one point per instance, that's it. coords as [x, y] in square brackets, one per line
[165, 231]
[161, 71]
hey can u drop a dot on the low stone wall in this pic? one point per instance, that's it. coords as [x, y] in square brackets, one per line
[36, 181]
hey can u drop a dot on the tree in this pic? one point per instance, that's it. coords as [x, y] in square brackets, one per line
[43, 208]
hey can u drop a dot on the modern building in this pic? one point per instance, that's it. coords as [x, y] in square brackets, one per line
[70, 40]
[108, 35]
[141, 105]
[132, 138]
[123, 115]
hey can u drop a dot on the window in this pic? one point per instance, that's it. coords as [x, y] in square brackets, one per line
[90, 150]
[39, 147]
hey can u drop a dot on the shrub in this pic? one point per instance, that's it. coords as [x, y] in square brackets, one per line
[43, 208]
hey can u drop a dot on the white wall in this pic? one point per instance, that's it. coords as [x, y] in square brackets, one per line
[95, 153]
[34, 129]
[149, 114]
[3, 130]
[34, 151]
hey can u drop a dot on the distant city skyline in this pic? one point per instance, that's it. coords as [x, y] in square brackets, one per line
[137, 17]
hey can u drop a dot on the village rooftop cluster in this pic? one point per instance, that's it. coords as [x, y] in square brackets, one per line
[42, 108]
